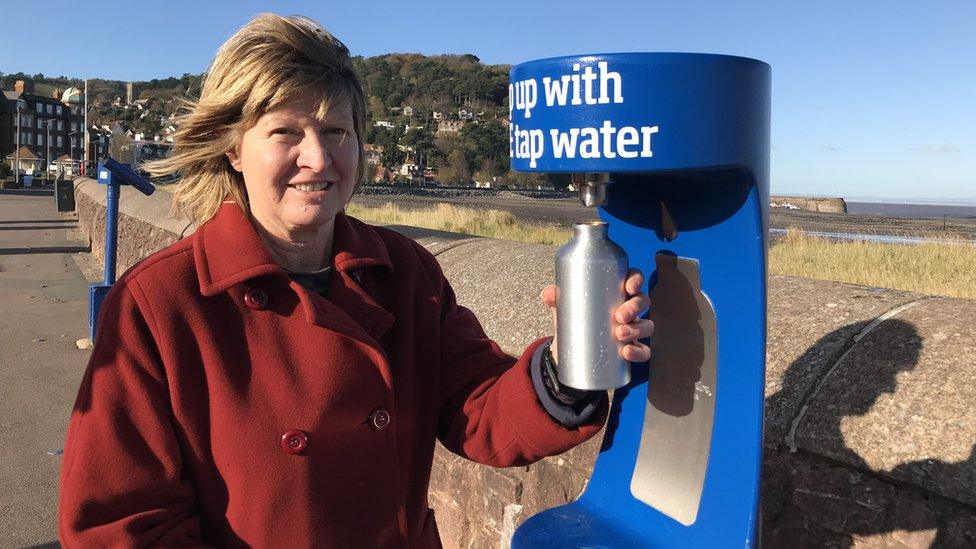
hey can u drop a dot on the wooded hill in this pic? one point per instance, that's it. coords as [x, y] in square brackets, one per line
[411, 95]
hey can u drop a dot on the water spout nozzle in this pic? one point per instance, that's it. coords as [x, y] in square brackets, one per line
[592, 188]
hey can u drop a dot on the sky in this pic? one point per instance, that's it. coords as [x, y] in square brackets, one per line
[870, 98]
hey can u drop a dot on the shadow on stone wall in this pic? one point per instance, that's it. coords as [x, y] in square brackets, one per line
[810, 500]
[28, 192]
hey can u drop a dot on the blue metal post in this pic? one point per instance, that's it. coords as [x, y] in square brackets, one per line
[113, 175]
[111, 231]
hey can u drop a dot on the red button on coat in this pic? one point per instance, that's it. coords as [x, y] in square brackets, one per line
[294, 441]
[256, 298]
[379, 419]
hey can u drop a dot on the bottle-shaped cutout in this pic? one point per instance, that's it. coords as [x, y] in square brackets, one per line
[590, 274]
[677, 433]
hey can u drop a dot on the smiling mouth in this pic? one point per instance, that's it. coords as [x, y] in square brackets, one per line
[312, 187]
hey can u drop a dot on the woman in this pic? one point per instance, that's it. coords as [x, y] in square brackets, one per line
[279, 377]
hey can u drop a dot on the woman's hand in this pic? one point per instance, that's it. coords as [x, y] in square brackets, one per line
[630, 328]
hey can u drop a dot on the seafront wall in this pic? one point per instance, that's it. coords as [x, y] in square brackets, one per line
[827, 205]
[869, 425]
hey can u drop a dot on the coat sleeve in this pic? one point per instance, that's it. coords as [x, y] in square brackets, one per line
[489, 409]
[122, 482]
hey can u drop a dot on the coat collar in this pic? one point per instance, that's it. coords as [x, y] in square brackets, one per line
[227, 250]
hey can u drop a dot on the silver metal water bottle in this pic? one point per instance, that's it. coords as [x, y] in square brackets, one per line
[590, 274]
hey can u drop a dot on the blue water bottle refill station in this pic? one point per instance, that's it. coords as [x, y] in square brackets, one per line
[674, 151]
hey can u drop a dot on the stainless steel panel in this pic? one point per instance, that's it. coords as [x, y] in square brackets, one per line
[677, 432]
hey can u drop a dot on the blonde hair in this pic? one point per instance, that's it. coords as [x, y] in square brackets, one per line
[266, 63]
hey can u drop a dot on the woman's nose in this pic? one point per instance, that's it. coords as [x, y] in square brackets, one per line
[314, 155]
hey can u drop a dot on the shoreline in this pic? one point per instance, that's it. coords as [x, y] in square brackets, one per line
[564, 209]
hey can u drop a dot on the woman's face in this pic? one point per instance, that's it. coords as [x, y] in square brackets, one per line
[299, 172]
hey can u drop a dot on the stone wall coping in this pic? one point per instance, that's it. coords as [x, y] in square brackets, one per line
[154, 209]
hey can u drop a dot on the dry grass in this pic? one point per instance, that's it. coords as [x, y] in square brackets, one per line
[457, 219]
[947, 269]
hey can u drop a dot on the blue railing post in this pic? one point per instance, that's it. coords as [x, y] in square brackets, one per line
[111, 231]
[113, 175]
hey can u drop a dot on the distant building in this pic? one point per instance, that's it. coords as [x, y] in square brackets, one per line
[449, 126]
[168, 132]
[10, 101]
[408, 111]
[383, 124]
[437, 115]
[67, 165]
[45, 121]
[410, 169]
[29, 164]
[494, 183]
[73, 96]
[98, 141]
[465, 114]
[382, 175]
[139, 152]
[373, 153]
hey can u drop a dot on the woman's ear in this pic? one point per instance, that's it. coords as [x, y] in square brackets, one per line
[234, 156]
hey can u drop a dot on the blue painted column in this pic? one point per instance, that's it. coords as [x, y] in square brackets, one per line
[111, 231]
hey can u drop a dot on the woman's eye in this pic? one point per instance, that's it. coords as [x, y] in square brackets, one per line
[282, 131]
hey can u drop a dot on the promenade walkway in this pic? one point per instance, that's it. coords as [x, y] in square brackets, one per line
[43, 299]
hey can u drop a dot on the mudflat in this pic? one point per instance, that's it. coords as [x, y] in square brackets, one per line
[565, 209]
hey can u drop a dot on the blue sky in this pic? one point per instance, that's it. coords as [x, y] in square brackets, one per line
[870, 98]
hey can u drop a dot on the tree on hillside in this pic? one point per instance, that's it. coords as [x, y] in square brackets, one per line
[150, 124]
[442, 83]
[488, 142]
[488, 170]
[422, 143]
[375, 109]
[389, 139]
[369, 173]
[448, 144]
[119, 148]
[455, 171]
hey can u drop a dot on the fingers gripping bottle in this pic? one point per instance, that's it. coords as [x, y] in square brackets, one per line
[590, 274]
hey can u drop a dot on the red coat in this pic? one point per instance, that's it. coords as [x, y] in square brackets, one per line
[224, 404]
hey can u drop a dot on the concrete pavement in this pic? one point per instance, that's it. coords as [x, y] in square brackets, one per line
[43, 296]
